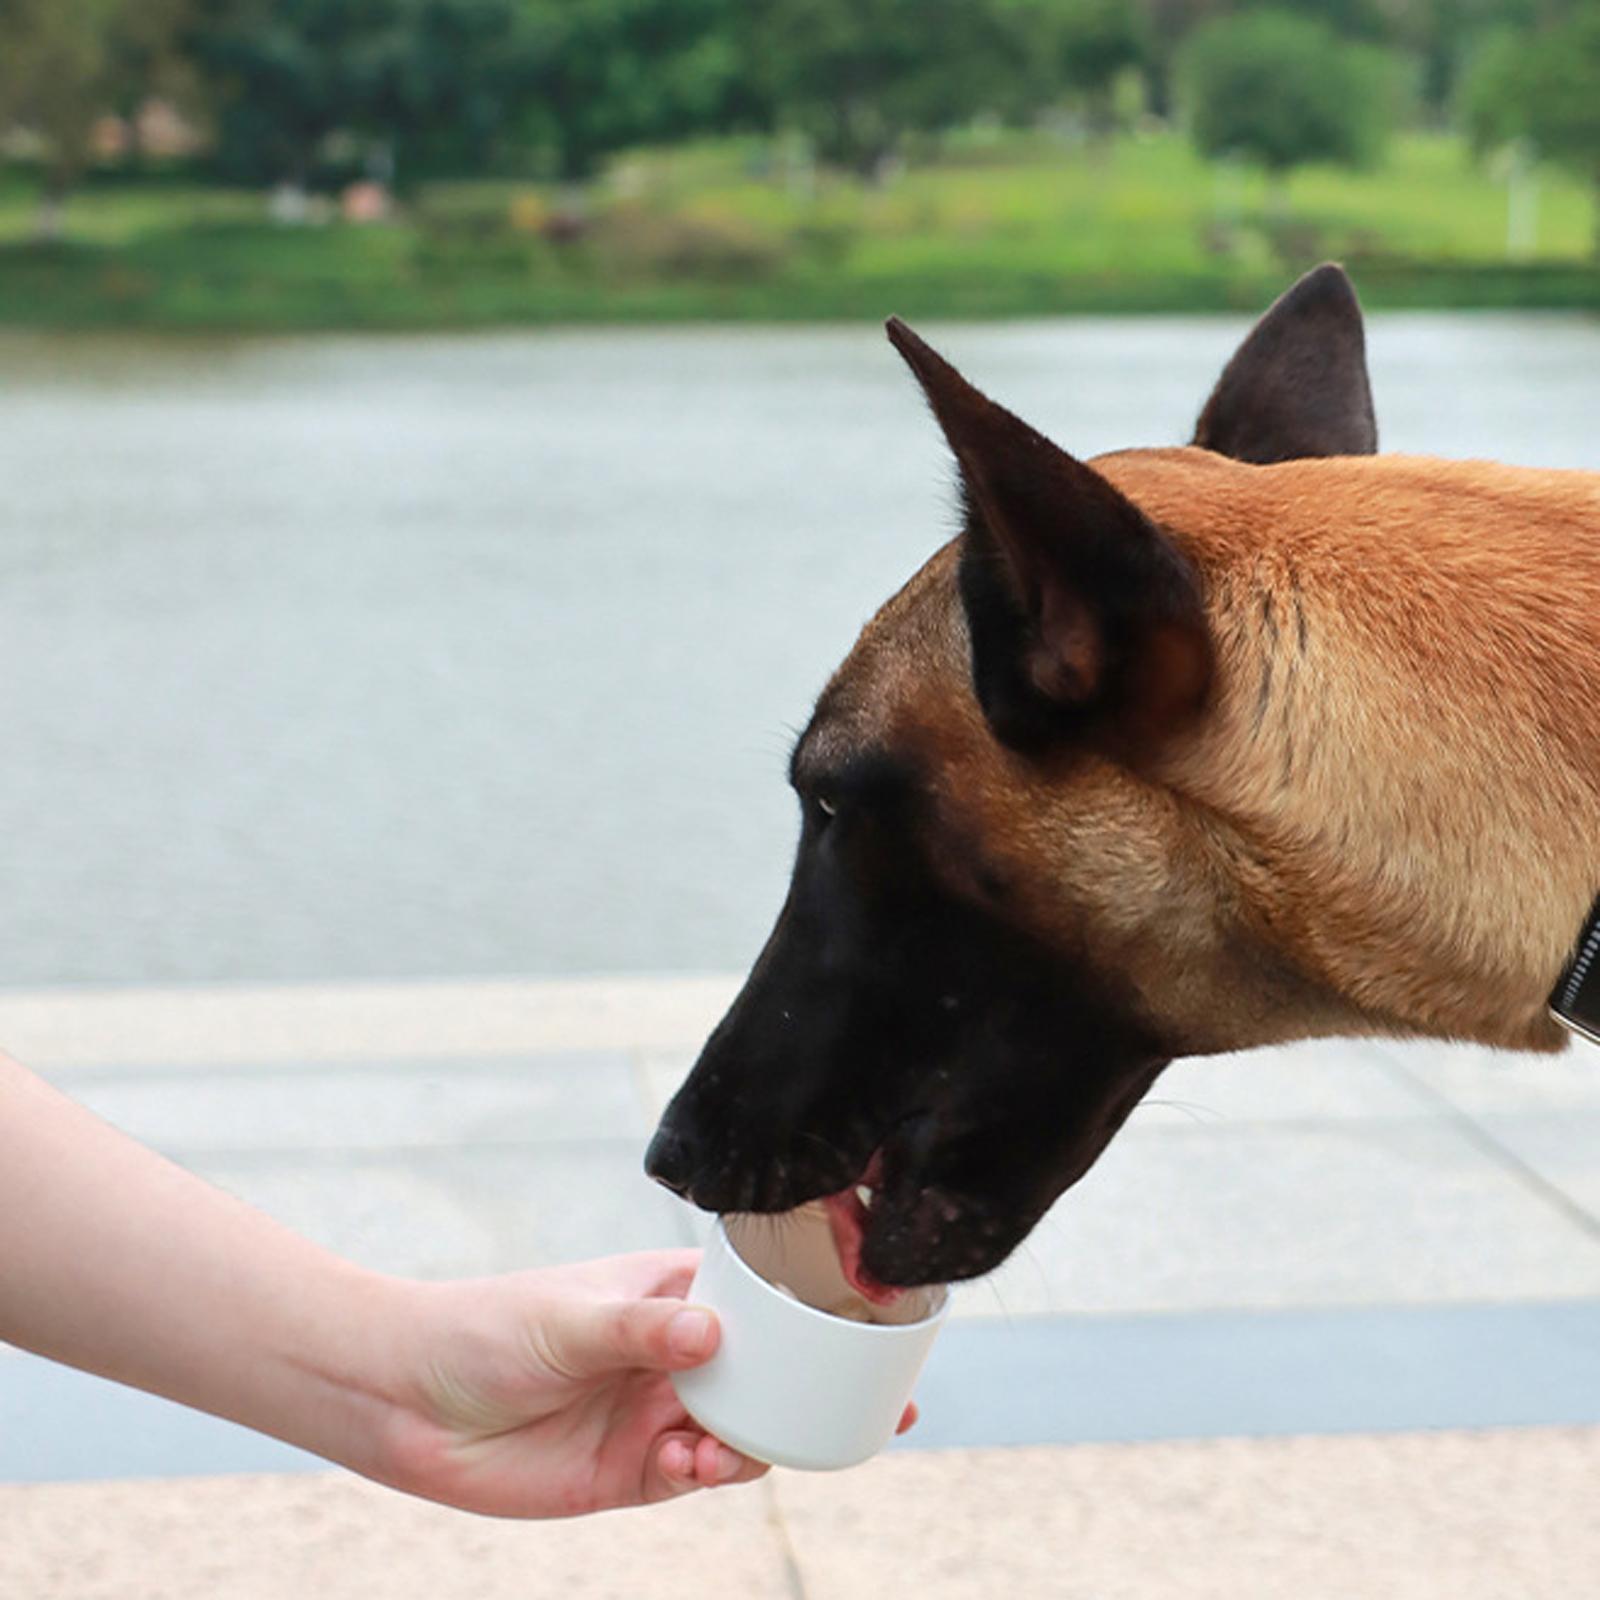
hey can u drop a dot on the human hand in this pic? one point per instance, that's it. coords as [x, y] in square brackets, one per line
[535, 1394]
[545, 1393]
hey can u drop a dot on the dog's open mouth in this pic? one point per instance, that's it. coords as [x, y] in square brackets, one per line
[849, 1214]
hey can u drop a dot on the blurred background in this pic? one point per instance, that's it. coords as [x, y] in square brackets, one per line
[376, 163]
[445, 445]
[469, 652]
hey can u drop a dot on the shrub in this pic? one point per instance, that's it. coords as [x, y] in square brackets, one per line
[1281, 90]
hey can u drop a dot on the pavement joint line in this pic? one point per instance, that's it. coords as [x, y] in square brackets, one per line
[1529, 1176]
[1403, 1078]
[793, 1576]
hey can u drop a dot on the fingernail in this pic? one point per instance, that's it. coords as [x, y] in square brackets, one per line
[728, 1464]
[689, 1333]
[677, 1461]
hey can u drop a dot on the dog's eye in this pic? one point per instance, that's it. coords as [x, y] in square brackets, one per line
[822, 808]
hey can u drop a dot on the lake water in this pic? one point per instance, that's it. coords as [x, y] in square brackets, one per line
[386, 657]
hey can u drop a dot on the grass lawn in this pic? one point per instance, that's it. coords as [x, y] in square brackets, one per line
[1009, 226]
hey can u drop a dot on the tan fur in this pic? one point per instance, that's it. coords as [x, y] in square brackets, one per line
[1388, 818]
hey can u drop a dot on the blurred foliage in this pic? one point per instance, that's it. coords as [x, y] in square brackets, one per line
[833, 151]
[430, 86]
[313, 92]
[1280, 89]
[1447, 36]
[861, 79]
[287, 74]
[65, 63]
[855, 77]
[1543, 87]
[703, 231]
[597, 76]
[1494, 93]
[1083, 47]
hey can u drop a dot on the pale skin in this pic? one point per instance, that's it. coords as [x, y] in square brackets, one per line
[534, 1394]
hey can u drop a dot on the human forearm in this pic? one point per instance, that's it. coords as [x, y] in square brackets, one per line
[115, 1260]
[533, 1394]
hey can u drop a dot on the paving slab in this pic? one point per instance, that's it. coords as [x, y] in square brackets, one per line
[1345, 1212]
[565, 1202]
[230, 1024]
[1563, 1148]
[461, 1211]
[1491, 1515]
[336, 1537]
[1472, 1079]
[1500, 1515]
[1207, 1374]
[387, 1213]
[378, 1105]
[1338, 1079]
[660, 1074]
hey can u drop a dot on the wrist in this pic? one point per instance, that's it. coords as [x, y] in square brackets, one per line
[343, 1377]
[394, 1381]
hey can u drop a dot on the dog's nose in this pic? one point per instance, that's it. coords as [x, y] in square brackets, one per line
[669, 1160]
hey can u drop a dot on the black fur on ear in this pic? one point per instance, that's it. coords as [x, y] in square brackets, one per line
[1298, 384]
[1085, 618]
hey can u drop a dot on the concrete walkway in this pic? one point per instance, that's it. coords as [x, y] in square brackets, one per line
[1448, 1516]
[1210, 1364]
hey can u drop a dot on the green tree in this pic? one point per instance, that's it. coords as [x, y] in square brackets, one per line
[596, 76]
[287, 74]
[1494, 95]
[452, 90]
[1280, 90]
[1423, 28]
[858, 76]
[61, 69]
[1089, 44]
[1544, 86]
[1447, 37]
[453, 84]
[1168, 23]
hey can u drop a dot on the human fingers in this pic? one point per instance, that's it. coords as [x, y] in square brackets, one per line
[716, 1463]
[673, 1466]
[582, 1338]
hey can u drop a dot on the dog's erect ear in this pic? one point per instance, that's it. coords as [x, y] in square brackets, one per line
[1085, 618]
[1297, 386]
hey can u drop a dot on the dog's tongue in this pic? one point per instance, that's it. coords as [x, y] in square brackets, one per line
[848, 1219]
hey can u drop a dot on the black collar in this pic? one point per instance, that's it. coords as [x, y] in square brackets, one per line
[1575, 1000]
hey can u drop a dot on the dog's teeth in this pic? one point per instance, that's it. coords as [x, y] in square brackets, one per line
[864, 1195]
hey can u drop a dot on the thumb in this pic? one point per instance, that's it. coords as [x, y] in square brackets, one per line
[586, 1339]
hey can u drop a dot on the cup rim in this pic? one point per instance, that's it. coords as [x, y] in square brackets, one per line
[891, 1328]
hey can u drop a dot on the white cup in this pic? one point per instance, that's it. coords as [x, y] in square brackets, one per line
[792, 1384]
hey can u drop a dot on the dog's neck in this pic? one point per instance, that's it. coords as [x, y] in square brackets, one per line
[1405, 736]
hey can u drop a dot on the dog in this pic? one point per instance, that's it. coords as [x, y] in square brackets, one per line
[1170, 752]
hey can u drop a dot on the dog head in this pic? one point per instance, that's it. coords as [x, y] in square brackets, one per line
[1006, 915]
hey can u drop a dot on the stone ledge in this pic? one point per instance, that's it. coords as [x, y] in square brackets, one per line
[259, 1023]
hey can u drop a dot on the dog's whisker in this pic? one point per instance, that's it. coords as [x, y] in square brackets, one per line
[1191, 1109]
[828, 1148]
[994, 1289]
[1032, 1258]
